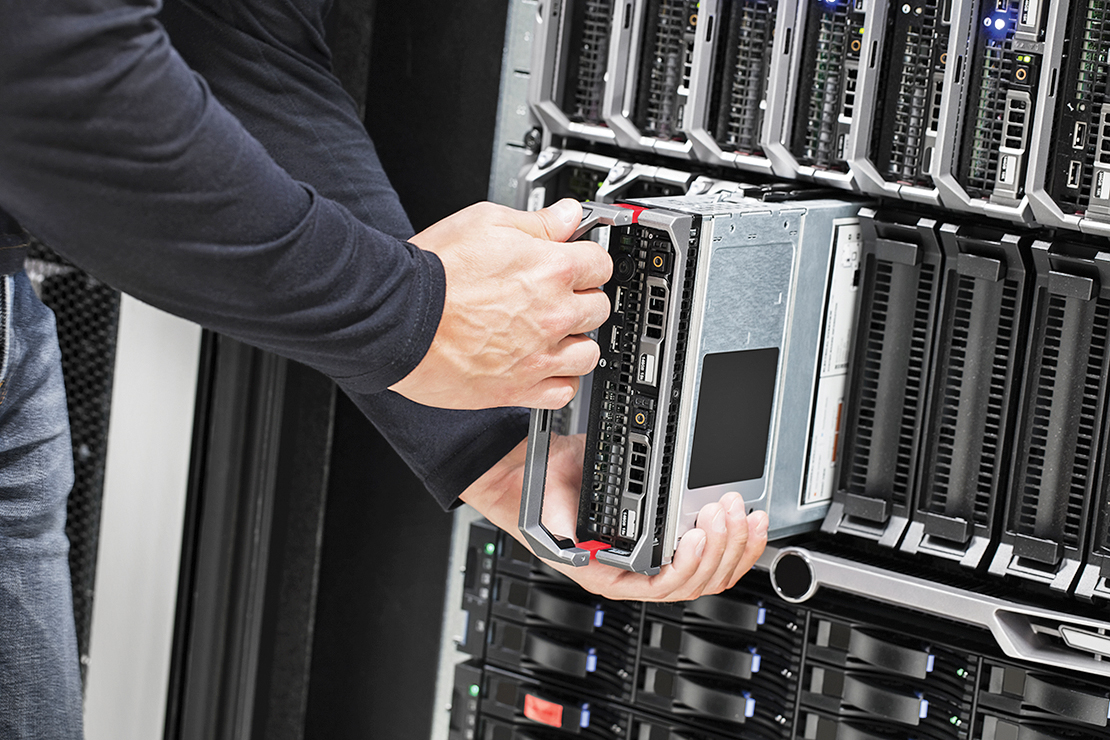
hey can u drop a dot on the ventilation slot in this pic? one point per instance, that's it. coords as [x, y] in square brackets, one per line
[682, 338]
[889, 379]
[1063, 409]
[966, 453]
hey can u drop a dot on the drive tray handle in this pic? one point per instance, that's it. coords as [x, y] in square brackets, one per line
[543, 543]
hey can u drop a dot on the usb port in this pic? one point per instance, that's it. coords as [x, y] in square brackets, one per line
[1075, 174]
[1079, 136]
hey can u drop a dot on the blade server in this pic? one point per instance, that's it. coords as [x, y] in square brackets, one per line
[722, 368]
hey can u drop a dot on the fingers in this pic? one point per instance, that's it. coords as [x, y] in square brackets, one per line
[591, 309]
[712, 556]
[555, 223]
[550, 393]
[591, 266]
[757, 541]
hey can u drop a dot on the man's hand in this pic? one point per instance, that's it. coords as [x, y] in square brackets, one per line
[709, 559]
[519, 301]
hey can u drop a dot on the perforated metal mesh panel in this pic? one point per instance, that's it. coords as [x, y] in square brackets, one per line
[87, 313]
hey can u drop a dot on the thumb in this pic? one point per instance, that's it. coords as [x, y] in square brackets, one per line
[555, 223]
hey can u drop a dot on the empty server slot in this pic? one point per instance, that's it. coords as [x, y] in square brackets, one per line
[908, 107]
[663, 80]
[1062, 409]
[585, 59]
[980, 337]
[1084, 82]
[890, 367]
[740, 73]
[830, 46]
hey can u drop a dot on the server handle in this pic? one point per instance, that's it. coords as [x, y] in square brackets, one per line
[543, 543]
[601, 214]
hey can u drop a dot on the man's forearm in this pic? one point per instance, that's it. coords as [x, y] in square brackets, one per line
[117, 155]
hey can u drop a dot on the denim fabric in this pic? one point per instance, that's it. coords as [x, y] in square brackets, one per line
[40, 683]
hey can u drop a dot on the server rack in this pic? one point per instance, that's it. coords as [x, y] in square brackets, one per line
[958, 585]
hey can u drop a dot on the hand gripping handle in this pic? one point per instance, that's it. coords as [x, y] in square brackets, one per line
[543, 543]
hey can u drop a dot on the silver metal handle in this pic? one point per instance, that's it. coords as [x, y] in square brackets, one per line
[543, 543]
[600, 214]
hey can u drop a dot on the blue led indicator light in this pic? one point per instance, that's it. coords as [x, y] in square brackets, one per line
[599, 617]
[924, 712]
[591, 661]
[584, 720]
[749, 705]
[757, 660]
[930, 662]
[761, 617]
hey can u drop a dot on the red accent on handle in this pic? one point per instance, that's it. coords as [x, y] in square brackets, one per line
[636, 211]
[543, 711]
[593, 546]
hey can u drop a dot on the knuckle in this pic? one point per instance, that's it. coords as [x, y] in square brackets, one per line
[558, 320]
[563, 267]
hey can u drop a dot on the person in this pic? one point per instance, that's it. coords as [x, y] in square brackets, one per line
[225, 177]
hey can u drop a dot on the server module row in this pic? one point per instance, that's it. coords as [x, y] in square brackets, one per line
[992, 107]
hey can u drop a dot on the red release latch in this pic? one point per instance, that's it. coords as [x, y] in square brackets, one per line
[636, 211]
[593, 546]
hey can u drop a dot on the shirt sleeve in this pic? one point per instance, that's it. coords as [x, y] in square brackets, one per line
[117, 155]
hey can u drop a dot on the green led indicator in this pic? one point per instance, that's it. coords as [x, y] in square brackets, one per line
[490, 548]
[474, 689]
[961, 673]
[955, 721]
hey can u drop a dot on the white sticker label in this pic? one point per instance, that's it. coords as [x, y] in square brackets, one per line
[1007, 166]
[628, 524]
[647, 369]
[1102, 186]
[840, 321]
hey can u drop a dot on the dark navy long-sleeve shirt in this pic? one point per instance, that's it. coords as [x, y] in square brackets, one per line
[114, 152]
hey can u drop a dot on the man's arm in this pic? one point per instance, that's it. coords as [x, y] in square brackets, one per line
[118, 156]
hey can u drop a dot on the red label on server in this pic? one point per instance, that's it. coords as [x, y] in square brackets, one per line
[543, 711]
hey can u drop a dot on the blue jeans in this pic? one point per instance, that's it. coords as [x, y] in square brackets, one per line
[40, 683]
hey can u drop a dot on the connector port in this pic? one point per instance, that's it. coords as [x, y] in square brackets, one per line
[1079, 136]
[1075, 174]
